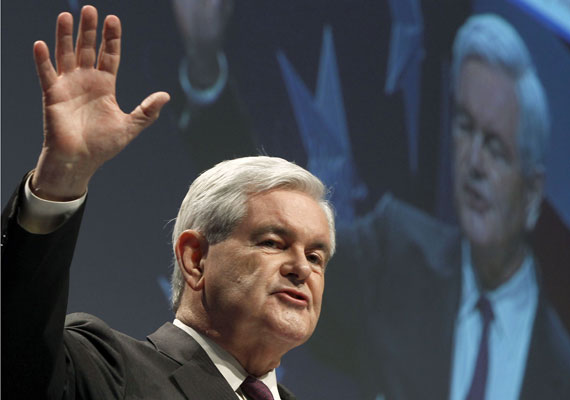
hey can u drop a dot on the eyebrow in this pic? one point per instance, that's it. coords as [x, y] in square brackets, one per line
[463, 112]
[282, 231]
[324, 248]
[279, 230]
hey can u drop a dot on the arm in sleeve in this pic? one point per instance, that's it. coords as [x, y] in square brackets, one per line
[353, 279]
[35, 284]
[217, 131]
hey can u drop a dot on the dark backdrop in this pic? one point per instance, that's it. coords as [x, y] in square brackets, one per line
[124, 252]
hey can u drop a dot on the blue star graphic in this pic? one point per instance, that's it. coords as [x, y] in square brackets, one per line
[322, 124]
[404, 66]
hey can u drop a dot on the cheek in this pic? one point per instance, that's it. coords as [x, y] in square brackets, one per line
[508, 196]
[459, 150]
[460, 166]
[509, 212]
[239, 267]
[230, 275]
[317, 286]
[255, 275]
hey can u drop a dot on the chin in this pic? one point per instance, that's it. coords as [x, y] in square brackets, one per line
[293, 331]
[476, 229]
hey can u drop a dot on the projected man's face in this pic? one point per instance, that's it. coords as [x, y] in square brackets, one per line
[489, 187]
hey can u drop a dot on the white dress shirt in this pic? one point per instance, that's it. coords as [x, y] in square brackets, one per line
[514, 307]
[41, 216]
[228, 366]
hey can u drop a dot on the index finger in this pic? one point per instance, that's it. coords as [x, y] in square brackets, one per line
[110, 50]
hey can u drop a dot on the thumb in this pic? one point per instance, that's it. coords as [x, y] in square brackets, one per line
[148, 111]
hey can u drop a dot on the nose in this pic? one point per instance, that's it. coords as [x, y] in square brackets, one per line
[475, 156]
[296, 267]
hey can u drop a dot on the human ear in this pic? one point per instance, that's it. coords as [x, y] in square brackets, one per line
[191, 248]
[534, 191]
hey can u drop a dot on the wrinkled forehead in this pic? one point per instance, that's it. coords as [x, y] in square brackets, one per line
[295, 211]
[487, 94]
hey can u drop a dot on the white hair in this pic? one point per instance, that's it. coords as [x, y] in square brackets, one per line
[491, 39]
[216, 200]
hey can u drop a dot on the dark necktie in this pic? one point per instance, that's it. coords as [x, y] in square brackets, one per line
[255, 389]
[477, 389]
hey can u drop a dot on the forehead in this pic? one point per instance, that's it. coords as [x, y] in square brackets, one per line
[294, 210]
[488, 95]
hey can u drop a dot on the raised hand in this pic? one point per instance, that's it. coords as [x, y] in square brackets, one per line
[83, 124]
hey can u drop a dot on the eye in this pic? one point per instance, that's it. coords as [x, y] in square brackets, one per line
[463, 124]
[465, 127]
[270, 243]
[496, 147]
[315, 258]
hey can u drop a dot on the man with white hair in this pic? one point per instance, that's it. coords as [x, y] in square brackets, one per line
[460, 314]
[251, 243]
[420, 310]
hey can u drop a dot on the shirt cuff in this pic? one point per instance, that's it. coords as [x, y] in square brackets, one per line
[41, 216]
[204, 97]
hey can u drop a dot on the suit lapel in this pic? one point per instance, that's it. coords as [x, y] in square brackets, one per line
[198, 378]
[285, 393]
[547, 367]
[435, 323]
[440, 330]
[414, 330]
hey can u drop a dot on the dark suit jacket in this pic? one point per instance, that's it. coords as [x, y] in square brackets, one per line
[393, 295]
[86, 359]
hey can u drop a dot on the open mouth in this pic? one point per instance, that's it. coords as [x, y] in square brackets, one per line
[474, 199]
[293, 296]
[296, 296]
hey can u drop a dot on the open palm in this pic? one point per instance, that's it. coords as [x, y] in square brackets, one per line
[83, 124]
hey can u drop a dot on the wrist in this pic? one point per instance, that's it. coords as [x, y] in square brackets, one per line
[62, 182]
[202, 68]
[204, 94]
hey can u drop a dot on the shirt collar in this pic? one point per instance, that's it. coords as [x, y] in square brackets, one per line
[228, 366]
[469, 290]
[508, 301]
